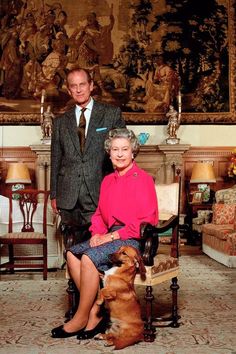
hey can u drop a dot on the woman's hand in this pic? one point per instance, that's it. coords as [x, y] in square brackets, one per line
[98, 240]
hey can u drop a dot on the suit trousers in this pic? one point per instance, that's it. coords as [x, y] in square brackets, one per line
[83, 210]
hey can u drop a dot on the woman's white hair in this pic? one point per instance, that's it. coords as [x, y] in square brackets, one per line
[122, 133]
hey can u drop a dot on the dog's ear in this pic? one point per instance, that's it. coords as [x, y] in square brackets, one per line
[140, 265]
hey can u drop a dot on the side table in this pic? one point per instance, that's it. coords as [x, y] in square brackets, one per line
[194, 237]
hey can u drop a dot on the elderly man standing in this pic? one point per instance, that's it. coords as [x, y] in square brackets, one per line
[78, 159]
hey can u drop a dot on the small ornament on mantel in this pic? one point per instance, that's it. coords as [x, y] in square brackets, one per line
[46, 119]
[174, 118]
[47, 125]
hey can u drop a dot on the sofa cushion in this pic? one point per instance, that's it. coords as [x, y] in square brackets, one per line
[223, 213]
[219, 231]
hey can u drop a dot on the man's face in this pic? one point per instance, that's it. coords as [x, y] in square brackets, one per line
[79, 87]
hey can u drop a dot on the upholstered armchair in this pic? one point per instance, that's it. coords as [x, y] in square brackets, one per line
[219, 236]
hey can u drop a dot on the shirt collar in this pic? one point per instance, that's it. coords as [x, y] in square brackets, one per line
[88, 107]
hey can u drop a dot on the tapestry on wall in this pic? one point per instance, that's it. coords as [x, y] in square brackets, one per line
[142, 55]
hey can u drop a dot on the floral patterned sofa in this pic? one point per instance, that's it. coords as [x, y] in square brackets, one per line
[219, 236]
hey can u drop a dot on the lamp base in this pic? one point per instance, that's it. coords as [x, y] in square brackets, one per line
[205, 189]
[15, 188]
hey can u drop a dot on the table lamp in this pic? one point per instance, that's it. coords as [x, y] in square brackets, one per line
[18, 175]
[203, 173]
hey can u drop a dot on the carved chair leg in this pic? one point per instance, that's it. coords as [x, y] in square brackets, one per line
[11, 258]
[73, 299]
[45, 261]
[149, 329]
[175, 317]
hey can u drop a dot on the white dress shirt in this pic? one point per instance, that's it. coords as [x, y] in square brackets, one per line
[87, 114]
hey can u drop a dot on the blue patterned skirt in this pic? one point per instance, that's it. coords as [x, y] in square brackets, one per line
[99, 255]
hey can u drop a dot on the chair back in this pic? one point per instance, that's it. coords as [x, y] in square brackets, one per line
[168, 196]
[31, 206]
[168, 200]
[226, 196]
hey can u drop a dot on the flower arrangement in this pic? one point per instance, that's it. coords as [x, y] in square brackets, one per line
[232, 166]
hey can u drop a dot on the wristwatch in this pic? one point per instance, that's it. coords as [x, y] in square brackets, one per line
[112, 236]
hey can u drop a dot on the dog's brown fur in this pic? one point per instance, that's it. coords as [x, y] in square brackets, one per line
[121, 300]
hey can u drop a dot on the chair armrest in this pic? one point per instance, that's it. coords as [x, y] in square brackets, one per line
[68, 235]
[73, 234]
[150, 239]
[149, 243]
[167, 224]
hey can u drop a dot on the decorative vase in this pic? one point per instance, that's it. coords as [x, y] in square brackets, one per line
[143, 137]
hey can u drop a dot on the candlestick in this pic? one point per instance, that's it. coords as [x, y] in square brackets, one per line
[42, 96]
[179, 101]
[42, 101]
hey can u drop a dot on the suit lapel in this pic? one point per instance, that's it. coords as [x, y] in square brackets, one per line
[72, 127]
[96, 120]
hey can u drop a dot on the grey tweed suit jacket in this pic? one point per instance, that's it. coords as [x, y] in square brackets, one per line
[68, 164]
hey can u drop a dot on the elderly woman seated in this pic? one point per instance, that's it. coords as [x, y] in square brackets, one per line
[127, 199]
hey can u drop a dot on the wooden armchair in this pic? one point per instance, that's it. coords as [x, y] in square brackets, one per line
[29, 207]
[161, 267]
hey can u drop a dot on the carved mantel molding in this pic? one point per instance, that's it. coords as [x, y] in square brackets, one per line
[43, 165]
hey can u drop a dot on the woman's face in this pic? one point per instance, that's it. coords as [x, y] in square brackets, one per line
[121, 154]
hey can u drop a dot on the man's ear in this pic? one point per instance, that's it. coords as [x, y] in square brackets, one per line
[68, 90]
[91, 86]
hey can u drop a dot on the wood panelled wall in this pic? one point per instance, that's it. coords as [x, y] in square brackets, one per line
[16, 154]
[149, 158]
[218, 156]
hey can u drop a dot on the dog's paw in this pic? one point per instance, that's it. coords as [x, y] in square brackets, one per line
[99, 302]
[99, 336]
[109, 344]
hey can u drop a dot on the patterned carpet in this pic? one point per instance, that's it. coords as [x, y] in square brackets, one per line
[30, 307]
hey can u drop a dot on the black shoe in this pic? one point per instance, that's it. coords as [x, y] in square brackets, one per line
[100, 328]
[59, 332]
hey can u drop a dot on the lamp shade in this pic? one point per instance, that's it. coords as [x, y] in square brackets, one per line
[203, 172]
[18, 173]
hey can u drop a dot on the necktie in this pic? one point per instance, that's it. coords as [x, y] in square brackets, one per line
[81, 129]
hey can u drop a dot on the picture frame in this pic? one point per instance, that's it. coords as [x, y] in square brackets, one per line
[197, 197]
[146, 30]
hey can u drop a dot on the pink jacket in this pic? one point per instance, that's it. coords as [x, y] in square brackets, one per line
[128, 200]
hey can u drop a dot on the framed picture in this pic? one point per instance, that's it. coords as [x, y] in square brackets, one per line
[144, 56]
[197, 197]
